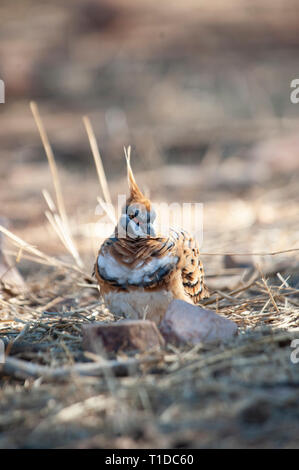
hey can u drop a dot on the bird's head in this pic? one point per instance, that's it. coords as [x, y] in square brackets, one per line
[138, 215]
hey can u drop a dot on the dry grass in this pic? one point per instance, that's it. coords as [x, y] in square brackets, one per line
[238, 394]
[53, 394]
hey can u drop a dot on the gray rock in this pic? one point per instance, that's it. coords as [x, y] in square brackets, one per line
[187, 323]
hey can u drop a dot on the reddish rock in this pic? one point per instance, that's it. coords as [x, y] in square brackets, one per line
[125, 335]
[187, 323]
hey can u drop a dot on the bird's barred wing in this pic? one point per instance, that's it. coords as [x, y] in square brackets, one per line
[192, 268]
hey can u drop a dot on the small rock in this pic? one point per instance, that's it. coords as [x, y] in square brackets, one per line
[187, 323]
[125, 335]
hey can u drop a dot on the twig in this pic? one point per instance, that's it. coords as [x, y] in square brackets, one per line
[261, 253]
[73, 412]
[269, 291]
[222, 296]
[24, 369]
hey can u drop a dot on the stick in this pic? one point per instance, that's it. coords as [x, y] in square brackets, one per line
[24, 369]
[34, 251]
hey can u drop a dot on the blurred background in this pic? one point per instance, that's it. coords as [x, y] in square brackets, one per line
[201, 91]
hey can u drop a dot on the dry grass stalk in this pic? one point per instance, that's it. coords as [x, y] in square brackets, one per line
[268, 290]
[40, 257]
[97, 159]
[214, 357]
[262, 253]
[61, 230]
[108, 209]
[51, 160]
[61, 224]
[24, 369]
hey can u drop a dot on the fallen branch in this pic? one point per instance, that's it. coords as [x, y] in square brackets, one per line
[23, 369]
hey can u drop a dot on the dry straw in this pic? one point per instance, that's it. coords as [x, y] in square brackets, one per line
[97, 159]
[59, 221]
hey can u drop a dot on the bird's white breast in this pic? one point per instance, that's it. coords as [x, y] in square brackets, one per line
[110, 268]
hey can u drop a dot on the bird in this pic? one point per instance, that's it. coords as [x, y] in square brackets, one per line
[139, 272]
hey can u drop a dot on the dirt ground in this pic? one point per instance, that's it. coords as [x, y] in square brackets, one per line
[202, 94]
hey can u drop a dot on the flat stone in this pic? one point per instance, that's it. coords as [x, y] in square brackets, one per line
[187, 323]
[125, 335]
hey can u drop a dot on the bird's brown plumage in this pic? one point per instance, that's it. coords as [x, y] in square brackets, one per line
[133, 272]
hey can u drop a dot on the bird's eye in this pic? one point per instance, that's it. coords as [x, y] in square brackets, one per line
[135, 214]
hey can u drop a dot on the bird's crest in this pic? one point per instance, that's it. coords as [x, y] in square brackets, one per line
[135, 193]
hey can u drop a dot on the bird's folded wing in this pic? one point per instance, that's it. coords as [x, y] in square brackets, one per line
[192, 268]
